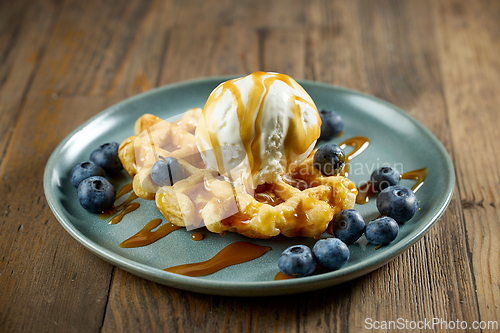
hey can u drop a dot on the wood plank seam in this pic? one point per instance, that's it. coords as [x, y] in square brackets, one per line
[111, 278]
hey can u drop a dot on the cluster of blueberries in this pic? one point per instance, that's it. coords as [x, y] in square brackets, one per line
[96, 193]
[396, 204]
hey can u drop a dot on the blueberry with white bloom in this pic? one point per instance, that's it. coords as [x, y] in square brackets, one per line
[382, 230]
[106, 156]
[96, 194]
[384, 177]
[85, 170]
[348, 225]
[331, 253]
[297, 261]
[397, 202]
[331, 124]
[329, 159]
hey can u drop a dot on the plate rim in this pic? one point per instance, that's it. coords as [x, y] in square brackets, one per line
[239, 288]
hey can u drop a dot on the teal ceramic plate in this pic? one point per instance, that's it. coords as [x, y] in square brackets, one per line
[395, 137]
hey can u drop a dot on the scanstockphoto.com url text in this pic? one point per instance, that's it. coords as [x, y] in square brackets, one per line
[429, 324]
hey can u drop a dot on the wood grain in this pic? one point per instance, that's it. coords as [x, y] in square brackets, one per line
[43, 272]
[22, 43]
[413, 83]
[64, 61]
[471, 74]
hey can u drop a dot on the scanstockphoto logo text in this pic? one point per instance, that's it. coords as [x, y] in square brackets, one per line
[429, 324]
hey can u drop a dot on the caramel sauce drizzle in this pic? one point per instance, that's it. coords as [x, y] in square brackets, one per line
[232, 254]
[124, 190]
[366, 191]
[145, 236]
[197, 236]
[128, 209]
[235, 219]
[264, 193]
[127, 205]
[359, 143]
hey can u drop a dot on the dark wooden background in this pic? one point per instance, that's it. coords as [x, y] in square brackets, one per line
[63, 61]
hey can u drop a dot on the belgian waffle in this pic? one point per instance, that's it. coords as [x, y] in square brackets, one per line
[154, 137]
[302, 204]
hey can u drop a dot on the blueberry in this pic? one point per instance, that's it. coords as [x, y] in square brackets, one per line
[297, 261]
[382, 230]
[348, 225]
[331, 253]
[96, 194]
[384, 177]
[329, 159]
[331, 124]
[167, 171]
[83, 171]
[106, 156]
[397, 202]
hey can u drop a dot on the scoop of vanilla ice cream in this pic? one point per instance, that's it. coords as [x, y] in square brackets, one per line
[255, 128]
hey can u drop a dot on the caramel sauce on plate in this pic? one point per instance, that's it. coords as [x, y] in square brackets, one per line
[115, 209]
[128, 209]
[282, 276]
[118, 212]
[235, 253]
[124, 190]
[145, 236]
[366, 191]
[359, 143]
[197, 236]
[418, 175]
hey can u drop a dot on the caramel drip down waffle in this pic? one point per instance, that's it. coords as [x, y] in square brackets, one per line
[302, 204]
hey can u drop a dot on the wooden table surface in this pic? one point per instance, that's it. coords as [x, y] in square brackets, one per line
[63, 61]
